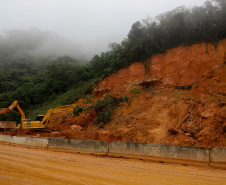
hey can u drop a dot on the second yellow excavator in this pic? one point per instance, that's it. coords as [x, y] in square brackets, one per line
[41, 121]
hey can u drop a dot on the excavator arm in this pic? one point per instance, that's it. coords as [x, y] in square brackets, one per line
[66, 108]
[13, 105]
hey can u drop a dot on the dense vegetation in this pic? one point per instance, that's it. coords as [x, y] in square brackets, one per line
[48, 81]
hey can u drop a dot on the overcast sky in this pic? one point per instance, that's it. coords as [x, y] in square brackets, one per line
[84, 21]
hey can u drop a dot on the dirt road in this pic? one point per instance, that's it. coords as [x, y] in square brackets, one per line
[32, 166]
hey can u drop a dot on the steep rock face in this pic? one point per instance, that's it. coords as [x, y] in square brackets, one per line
[182, 66]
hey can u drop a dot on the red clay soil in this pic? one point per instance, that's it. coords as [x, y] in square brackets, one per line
[184, 65]
[175, 98]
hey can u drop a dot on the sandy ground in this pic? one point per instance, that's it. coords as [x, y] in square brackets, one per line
[32, 166]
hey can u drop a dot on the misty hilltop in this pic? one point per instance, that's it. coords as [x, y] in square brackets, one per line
[38, 43]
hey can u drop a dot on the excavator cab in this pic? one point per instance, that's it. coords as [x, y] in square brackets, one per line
[29, 124]
[39, 117]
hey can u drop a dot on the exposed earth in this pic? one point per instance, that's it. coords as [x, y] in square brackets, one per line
[178, 98]
[31, 166]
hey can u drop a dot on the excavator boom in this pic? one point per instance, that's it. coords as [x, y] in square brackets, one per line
[14, 104]
[66, 108]
[8, 124]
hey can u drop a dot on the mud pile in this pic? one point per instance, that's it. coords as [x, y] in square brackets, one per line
[178, 97]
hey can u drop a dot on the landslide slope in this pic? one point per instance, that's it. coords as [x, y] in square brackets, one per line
[178, 97]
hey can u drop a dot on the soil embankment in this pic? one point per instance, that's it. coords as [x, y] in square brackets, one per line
[178, 97]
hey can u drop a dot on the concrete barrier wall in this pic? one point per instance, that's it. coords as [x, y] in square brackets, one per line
[218, 155]
[19, 140]
[58, 143]
[214, 156]
[36, 142]
[5, 138]
[185, 152]
[79, 145]
[92, 146]
[40, 142]
[157, 150]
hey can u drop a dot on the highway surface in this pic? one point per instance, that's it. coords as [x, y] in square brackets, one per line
[31, 166]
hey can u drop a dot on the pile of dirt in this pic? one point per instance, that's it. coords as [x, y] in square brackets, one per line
[174, 98]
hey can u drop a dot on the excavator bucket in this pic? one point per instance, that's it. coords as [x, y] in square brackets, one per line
[4, 111]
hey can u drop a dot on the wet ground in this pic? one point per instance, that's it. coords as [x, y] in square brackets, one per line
[31, 166]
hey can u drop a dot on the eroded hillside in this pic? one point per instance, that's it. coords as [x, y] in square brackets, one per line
[201, 63]
[178, 97]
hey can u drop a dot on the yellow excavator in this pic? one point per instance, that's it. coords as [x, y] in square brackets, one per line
[41, 121]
